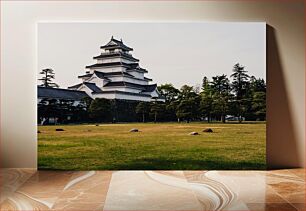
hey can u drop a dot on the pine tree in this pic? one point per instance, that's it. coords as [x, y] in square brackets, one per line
[206, 99]
[240, 86]
[48, 76]
[221, 95]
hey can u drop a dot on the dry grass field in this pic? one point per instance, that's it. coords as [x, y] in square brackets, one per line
[156, 146]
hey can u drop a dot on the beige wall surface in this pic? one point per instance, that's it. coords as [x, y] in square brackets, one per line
[285, 64]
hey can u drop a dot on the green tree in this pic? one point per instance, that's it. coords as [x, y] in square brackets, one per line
[206, 104]
[205, 83]
[186, 92]
[47, 78]
[156, 109]
[221, 95]
[254, 85]
[259, 105]
[240, 86]
[257, 93]
[171, 110]
[257, 85]
[142, 108]
[185, 110]
[169, 92]
[86, 102]
[100, 110]
[171, 95]
[188, 104]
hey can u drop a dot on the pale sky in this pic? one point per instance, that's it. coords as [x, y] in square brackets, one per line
[177, 53]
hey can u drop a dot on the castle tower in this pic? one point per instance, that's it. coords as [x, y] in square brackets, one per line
[117, 75]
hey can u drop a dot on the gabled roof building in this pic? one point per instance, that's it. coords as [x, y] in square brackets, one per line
[116, 74]
[50, 93]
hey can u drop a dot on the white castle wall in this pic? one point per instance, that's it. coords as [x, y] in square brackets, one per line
[124, 89]
[122, 96]
[104, 60]
[128, 79]
[107, 69]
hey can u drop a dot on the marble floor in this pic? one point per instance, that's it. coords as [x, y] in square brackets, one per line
[27, 189]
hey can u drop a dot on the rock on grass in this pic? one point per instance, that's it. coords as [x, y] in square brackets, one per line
[59, 129]
[208, 130]
[194, 133]
[134, 130]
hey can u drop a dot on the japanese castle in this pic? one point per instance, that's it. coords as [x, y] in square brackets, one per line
[116, 74]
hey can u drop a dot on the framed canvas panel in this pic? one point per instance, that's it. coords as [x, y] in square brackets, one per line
[151, 95]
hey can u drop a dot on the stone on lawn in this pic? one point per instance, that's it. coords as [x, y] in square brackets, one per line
[59, 129]
[134, 130]
[208, 130]
[194, 133]
[38, 131]
[97, 125]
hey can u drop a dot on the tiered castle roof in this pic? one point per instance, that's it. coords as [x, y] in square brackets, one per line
[117, 74]
[116, 44]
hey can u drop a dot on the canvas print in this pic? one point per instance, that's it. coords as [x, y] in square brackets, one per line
[151, 96]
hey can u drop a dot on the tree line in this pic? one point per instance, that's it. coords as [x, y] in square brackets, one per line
[218, 99]
[237, 97]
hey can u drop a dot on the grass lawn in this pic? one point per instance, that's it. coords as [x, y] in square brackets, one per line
[157, 146]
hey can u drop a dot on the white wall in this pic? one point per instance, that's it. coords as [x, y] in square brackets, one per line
[130, 97]
[128, 79]
[108, 69]
[104, 60]
[123, 89]
[100, 61]
[286, 63]
[122, 96]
